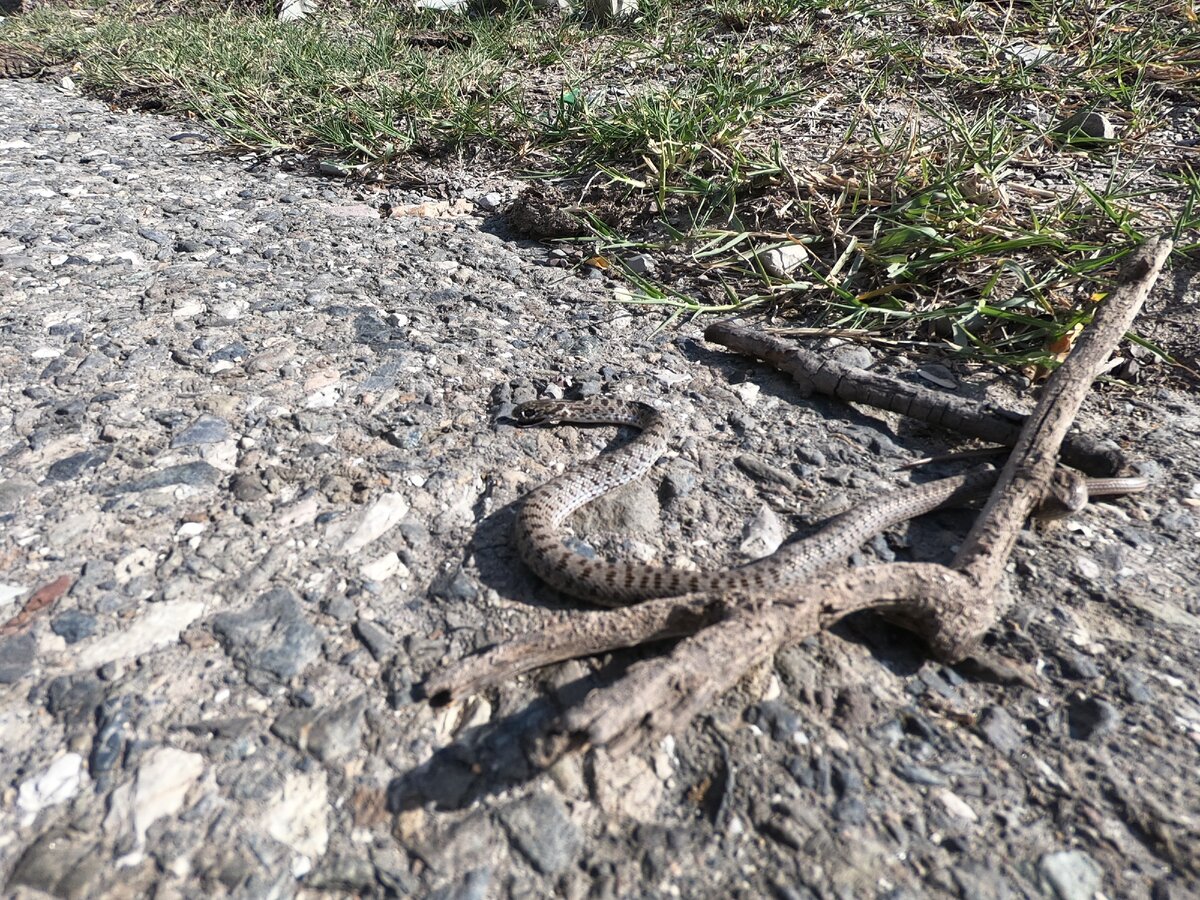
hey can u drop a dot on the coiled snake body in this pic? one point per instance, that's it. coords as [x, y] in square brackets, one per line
[607, 583]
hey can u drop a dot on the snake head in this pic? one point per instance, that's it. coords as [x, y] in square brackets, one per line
[535, 412]
[1067, 494]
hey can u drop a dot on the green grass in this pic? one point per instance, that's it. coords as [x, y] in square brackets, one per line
[906, 144]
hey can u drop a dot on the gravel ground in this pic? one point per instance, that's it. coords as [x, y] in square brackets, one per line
[252, 481]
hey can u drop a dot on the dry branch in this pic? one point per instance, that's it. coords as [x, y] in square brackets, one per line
[951, 607]
[820, 374]
[1025, 477]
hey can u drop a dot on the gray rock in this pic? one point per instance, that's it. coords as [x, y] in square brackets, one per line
[16, 657]
[812, 457]
[204, 430]
[641, 264]
[1176, 521]
[759, 469]
[939, 375]
[342, 874]
[73, 626]
[679, 479]
[920, 775]
[111, 738]
[230, 352]
[61, 862]
[72, 466]
[461, 587]
[982, 880]
[1135, 687]
[272, 636]
[778, 720]
[328, 734]
[12, 492]
[73, 701]
[633, 510]
[541, 829]
[1070, 874]
[1090, 717]
[340, 607]
[1030, 55]
[1000, 730]
[850, 811]
[1076, 666]
[882, 550]
[377, 641]
[157, 237]
[415, 534]
[247, 487]
[779, 262]
[853, 355]
[1085, 129]
[195, 474]
[763, 534]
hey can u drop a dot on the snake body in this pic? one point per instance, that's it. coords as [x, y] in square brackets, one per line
[607, 583]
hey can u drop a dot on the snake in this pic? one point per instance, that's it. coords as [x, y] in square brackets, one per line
[545, 509]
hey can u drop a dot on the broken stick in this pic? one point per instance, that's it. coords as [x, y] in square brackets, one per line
[819, 374]
[951, 607]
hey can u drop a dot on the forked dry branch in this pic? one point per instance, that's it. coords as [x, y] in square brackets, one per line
[951, 607]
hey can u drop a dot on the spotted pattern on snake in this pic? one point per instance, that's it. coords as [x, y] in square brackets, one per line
[607, 583]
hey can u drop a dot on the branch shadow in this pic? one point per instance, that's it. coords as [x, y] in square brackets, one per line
[496, 757]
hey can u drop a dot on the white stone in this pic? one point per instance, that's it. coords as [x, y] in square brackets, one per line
[764, 534]
[159, 788]
[159, 625]
[383, 568]
[780, 262]
[10, 592]
[383, 515]
[232, 310]
[298, 815]
[72, 530]
[325, 398]
[956, 806]
[221, 455]
[748, 392]
[130, 256]
[302, 512]
[56, 785]
[1031, 56]
[627, 786]
[135, 563]
[476, 711]
[186, 308]
[671, 379]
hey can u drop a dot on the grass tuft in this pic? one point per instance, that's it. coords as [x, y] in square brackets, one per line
[909, 147]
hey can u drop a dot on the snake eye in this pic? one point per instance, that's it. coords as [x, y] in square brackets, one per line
[534, 412]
